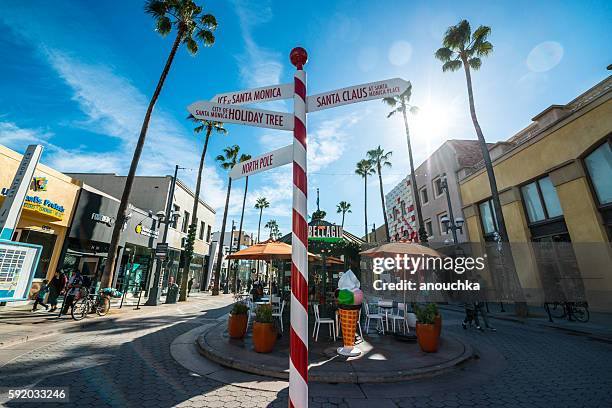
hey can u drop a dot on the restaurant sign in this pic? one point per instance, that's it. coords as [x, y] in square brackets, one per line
[147, 232]
[327, 233]
[41, 206]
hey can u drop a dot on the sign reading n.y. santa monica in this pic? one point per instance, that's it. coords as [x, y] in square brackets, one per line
[266, 161]
[245, 116]
[358, 93]
[257, 95]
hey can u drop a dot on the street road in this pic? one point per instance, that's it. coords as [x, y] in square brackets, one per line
[126, 363]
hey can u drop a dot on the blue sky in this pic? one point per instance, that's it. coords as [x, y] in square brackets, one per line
[76, 76]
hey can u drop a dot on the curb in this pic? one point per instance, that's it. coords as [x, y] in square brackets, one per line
[346, 378]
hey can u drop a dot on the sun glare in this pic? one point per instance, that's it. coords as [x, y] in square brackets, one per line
[431, 121]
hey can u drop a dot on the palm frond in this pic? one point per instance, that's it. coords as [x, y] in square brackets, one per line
[444, 54]
[393, 112]
[192, 45]
[481, 34]
[484, 49]
[414, 110]
[391, 101]
[156, 8]
[163, 26]
[475, 63]
[220, 158]
[457, 37]
[451, 65]
[209, 21]
[244, 158]
[206, 37]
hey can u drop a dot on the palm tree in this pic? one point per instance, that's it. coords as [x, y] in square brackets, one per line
[273, 225]
[343, 207]
[399, 104]
[227, 160]
[244, 157]
[209, 126]
[260, 204]
[462, 48]
[365, 169]
[192, 26]
[380, 159]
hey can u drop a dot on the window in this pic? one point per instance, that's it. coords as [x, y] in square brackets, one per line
[441, 224]
[541, 200]
[437, 187]
[428, 228]
[185, 221]
[403, 207]
[176, 209]
[394, 214]
[487, 217]
[424, 196]
[208, 232]
[202, 228]
[599, 167]
[47, 241]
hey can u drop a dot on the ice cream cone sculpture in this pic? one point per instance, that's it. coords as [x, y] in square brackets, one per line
[349, 303]
[348, 321]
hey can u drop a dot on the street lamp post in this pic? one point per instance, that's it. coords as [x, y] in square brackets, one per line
[229, 268]
[450, 224]
[166, 218]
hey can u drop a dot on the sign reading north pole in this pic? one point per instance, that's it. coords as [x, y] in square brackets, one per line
[257, 95]
[358, 93]
[266, 161]
[244, 116]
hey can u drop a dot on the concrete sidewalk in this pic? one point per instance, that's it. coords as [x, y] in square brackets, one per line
[19, 324]
[598, 327]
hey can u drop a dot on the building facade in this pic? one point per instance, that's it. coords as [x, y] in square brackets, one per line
[47, 211]
[555, 184]
[400, 212]
[150, 193]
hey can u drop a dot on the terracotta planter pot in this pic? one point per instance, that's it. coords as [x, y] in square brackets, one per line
[264, 337]
[438, 324]
[237, 325]
[427, 337]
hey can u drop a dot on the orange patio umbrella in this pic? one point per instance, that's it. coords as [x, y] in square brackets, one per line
[394, 248]
[267, 251]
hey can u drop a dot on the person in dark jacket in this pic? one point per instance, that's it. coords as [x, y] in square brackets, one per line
[56, 287]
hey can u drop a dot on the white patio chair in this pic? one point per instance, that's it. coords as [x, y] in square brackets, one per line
[401, 317]
[373, 316]
[276, 300]
[322, 320]
[279, 313]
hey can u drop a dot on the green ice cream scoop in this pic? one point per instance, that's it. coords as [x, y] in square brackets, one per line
[346, 297]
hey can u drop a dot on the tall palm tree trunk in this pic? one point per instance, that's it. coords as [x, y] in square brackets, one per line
[215, 290]
[194, 218]
[501, 224]
[109, 268]
[343, 219]
[382, 200]
[415, 188]
[246, 187]
[259, 225]
[365, 205]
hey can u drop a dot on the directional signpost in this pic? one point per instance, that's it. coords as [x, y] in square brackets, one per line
[266, 161]
[224, 108]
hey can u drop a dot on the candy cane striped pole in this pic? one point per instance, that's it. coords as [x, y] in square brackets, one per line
[298, 346]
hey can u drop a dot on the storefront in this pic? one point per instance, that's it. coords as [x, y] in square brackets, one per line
[89, 237]
[47, 211]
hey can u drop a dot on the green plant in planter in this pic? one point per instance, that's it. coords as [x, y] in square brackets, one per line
[425, 315]
[240, 309]
[434, 308]
[263, 314]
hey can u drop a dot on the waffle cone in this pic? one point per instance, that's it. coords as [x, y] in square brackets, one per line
[348, 321]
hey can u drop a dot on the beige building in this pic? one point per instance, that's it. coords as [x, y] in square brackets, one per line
[555, 184]
[46, 214]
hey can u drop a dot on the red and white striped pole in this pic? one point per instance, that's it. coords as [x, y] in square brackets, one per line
[298, 346]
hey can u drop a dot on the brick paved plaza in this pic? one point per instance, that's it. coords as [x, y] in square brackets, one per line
[126, 362]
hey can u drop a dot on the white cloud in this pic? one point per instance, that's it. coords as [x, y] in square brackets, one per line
[327, 141]
[16, 138]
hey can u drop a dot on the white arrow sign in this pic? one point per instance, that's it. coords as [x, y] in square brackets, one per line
[266, 161]
[358, 93]
[257, 95]
[246, 116]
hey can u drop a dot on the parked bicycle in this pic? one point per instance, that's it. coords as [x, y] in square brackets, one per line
[90, 303]
[578, 311]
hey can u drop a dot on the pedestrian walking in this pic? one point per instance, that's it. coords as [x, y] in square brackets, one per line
[56, 287]
[480, 309]
[72, 290]
[470, 316]
[40, 296]
[189, 286]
